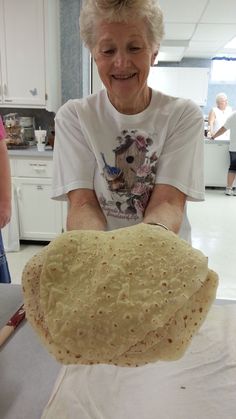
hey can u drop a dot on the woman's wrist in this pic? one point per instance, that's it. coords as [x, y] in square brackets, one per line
[159, 224]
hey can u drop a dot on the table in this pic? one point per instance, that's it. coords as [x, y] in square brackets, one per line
[202, 384]
[27, 370]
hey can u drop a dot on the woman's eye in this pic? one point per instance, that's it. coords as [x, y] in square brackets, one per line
[134, 49]
[108, 51]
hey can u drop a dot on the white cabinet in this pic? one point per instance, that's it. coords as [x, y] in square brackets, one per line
[29, 54]
[39, 217]
[216, 162]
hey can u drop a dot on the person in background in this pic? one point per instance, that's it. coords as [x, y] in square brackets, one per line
[127, 154]
[5, 202]
[230, 123]
[218, 115]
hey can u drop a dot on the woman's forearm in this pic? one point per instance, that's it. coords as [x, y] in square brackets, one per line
[169, 215]
[85, 217]
[166, 206]
[220, 131]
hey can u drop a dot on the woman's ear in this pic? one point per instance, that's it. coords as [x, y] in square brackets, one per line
[154, 55]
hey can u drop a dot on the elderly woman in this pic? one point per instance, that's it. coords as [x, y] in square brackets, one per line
[127, 154]
[218, 115]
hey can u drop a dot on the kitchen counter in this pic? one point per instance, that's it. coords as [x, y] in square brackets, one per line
[208, 141]
[31, 152]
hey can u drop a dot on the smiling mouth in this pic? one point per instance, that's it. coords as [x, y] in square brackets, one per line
[124, 77]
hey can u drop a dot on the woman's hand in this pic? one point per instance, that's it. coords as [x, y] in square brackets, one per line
[5, 213]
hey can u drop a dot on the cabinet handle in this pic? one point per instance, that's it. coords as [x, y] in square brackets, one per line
[39, 187]
[37, 165]
[39, 170]
[33, 91]
[5, 92]
[18, 192]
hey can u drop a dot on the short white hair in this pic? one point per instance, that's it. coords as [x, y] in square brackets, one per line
[93, 12]
[220, 96]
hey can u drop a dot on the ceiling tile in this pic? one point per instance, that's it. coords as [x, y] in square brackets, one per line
[207, 24]
[213, 32]
[185, 11]
[179, 30]
[220, 12]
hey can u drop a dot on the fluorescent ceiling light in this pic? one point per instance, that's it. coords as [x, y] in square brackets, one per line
[231, 44]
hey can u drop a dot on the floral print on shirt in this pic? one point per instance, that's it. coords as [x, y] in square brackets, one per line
[132, 177]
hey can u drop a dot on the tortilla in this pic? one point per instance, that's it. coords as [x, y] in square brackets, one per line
[125, 297]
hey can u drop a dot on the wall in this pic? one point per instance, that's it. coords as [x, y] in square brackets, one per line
[75, 60]
[213, 88]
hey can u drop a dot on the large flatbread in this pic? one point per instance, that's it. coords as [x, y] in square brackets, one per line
[126, 297]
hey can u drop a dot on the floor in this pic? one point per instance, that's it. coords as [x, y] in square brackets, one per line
[213, 232]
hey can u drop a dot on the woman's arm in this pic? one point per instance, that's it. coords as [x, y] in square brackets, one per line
[219, 132]
[211, 120]
[166, 206]
[5, 186]
[84, 211]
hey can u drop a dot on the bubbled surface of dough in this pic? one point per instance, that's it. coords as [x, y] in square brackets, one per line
[126, 297]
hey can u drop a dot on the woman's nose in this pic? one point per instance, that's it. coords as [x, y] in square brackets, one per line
[121, 59]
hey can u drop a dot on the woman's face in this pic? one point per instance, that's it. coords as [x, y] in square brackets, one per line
[222, 104]
[123, 55]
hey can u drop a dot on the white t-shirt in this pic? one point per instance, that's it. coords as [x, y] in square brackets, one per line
[220, 119]
[230, 123]
[122, 156]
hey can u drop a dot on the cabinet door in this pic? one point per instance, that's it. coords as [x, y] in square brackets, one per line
[40, 217]
[22, 52]
[216, 162]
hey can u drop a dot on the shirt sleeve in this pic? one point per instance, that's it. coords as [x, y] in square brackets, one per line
[227, 123]
[73, 160]
[181, 162]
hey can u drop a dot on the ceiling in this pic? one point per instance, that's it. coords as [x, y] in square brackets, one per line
[197, 28]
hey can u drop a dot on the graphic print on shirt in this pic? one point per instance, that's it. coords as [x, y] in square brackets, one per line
[132, 177]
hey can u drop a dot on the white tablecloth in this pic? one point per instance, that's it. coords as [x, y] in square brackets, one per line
[201, 385]
[27, 371]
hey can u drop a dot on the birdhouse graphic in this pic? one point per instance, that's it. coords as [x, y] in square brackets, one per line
[129, 158]
[132, 177]
[130, 154]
